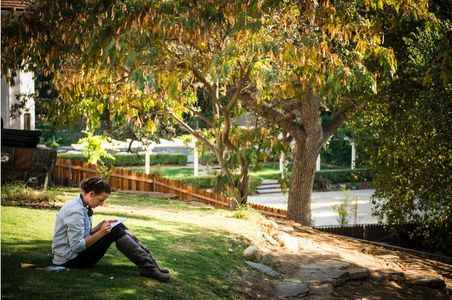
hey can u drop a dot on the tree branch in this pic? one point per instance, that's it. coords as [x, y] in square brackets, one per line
[292, 127]
[330, 127]
[193, 132]
[201, 116]
[201, 78]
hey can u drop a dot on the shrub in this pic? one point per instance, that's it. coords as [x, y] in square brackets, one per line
[124, 160]
[19, 194]
[245, 212]
[343, 176]
[200, 182]
[215, 182]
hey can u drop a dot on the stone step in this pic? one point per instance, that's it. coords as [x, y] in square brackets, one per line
[269, 186]
[269, 191]
[269, 181]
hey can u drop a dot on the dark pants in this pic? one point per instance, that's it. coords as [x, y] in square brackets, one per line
[91, 255]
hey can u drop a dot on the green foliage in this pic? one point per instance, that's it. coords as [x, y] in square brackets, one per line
[53, 137]
[245, 212]
[409, 124]
[332, 176]
[96, 154]
[347, 209]
[94, 148]
[343, 176]
[337, 151]
[19, 194]
[200, 182]
[122, 160]
[219, 183]
[145, 61]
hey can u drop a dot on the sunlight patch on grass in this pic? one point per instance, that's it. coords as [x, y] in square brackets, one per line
[205, 261]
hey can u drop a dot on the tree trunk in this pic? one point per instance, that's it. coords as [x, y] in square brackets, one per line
[307, 148]
[301, 183]
[242, 185]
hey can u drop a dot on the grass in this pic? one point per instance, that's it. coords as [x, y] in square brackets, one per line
[168, 172]
[267, 171]
[270, 171]
[204, 259]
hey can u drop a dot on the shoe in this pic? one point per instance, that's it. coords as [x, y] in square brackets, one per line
[142, 259]
[161, 269]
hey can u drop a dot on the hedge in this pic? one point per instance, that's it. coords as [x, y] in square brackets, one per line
[332, 176]
[136, 159]
[209, 182]
[343, 176]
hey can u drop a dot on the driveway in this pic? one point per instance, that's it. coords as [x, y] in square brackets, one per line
[321, 209]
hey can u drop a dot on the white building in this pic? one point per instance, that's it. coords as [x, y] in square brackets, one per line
[24, 85]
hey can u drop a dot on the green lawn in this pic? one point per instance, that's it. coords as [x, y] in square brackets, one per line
[267, 171]
[204, 263]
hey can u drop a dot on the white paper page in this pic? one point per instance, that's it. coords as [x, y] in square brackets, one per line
[119, 221]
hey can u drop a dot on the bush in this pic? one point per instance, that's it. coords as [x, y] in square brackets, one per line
[19, 194]
[342, 176]
[200, 182]
[213, 182]
[123, 160]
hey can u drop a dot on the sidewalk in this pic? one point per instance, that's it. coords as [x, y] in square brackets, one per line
[322, 213]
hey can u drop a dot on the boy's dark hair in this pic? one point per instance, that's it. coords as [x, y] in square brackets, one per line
[96, 185]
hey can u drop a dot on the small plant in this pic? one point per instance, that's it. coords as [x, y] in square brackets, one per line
[19, 194]
[244, 212]
[347, 208]
[97, 155]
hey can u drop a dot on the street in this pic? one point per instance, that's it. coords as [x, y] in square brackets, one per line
[322, 212]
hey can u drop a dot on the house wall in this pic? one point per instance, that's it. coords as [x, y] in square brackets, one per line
[24, 84]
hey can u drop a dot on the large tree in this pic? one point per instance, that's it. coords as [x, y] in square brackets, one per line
[325, 58]
[142, 61]
[288, 61]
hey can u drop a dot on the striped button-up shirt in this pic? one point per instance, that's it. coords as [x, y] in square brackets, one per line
[72, 226]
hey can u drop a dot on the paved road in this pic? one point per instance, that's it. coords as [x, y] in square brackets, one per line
[322, 212]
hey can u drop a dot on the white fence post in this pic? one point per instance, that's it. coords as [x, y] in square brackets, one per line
[147, 163]
[195, 159]
[353, 154]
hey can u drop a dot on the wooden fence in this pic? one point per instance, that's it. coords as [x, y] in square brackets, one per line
[398, 235]
[71, 173]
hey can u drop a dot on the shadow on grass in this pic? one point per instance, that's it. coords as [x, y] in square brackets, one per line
[203, 265]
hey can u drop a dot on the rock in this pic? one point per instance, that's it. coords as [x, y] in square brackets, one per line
[335, 272]
[435, 283]
[253, 253]
[286, 240]
[286, 228]
[352, 273]
[262, 268]
[321, 291]
[391, 275]
[270, 239]
[291, 288]
[269, 225]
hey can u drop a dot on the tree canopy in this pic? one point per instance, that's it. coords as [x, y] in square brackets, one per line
[287, 61]
[408, 134]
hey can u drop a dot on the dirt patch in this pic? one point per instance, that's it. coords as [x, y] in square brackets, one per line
[338, 268]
